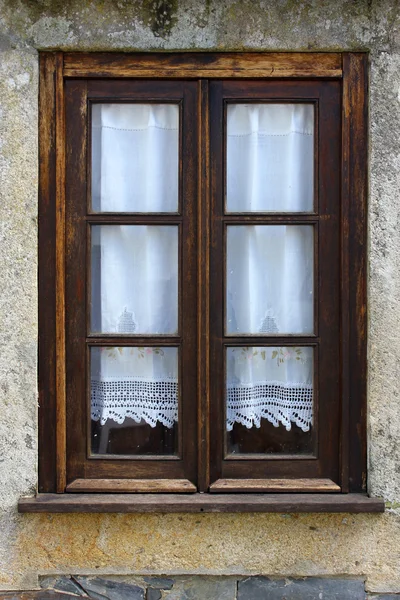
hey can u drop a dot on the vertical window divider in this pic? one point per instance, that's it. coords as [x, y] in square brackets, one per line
[203, 316]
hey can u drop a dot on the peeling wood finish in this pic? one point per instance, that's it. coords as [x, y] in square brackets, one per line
[132, 485]
[47, 274]
[196, 503]
[204, 65]
[60, 277]
[274, 485]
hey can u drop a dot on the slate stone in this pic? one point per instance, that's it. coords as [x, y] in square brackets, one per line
[311, 588]
[41, 595]
[64, 584]
[100, 589]
[161, 583]
[47, 582]
[203, 588]
[384, 597]
[153, 594]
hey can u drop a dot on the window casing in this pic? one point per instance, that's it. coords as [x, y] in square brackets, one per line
[205, 457]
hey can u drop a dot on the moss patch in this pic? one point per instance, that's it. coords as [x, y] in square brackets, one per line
[160, 16]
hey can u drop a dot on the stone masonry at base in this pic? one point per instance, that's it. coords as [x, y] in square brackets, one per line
[199, 588]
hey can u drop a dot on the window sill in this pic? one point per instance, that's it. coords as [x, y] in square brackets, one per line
[196, 503]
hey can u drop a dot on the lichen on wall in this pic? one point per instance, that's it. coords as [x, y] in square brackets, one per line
[33, 545]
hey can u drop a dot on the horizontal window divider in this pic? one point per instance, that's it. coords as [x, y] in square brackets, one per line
[198, 503]
[274, 485]
[113, 340]
[287, 219]
[135, 457]
[129, 219]
[265, 457]
[134, 98]
[258, 340]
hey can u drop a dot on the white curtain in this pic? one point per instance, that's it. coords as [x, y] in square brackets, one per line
[269, 268]
[270, 150]
[135, 268]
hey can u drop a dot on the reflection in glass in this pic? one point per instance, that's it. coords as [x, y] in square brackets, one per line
[269, 400]
[269, 288]
[135, 157]
[134, 400]
[134, 279]
[270, 157]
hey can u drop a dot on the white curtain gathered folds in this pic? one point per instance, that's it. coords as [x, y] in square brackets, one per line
[269, 268]
[135, 268]
[270, 150]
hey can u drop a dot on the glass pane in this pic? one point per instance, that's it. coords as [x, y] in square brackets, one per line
[134, 400]
[269, 403]
[269, 279]
[134, 279]
[135, 157]
[270, 157]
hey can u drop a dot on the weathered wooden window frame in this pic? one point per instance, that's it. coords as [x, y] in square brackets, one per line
[58, 70]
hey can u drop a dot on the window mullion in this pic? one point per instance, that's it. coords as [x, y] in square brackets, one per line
[203, 284]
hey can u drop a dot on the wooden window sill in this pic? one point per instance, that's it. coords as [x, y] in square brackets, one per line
[195, 503]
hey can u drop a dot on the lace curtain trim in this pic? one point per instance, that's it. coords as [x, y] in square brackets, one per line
[149, 399]
[278, 402]
[156, 401]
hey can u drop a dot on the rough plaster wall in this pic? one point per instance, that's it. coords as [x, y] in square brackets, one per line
[237, 544]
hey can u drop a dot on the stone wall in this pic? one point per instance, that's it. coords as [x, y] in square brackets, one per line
[362, 546]
[198, 588]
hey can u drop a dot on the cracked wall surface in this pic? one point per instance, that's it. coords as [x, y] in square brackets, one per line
[313, 545]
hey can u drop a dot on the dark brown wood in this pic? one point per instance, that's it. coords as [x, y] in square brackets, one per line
[339, 339]
[196, 503]
[355, 130]
[149, 486]
[270, 340]
[76, 149]
[273, 218]
[216, 292]
[130, 219]
[189, 307]
[345, 287]
[327, 283]
[47, 274]
[204, 65]
[81, 462]
[203, 265]
[134, 340]
[274, 485]
[326, 98]
[153, 90]
[61, 429]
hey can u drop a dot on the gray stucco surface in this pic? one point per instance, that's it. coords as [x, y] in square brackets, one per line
[31, 545]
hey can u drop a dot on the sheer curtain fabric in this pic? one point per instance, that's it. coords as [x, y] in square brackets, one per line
[134, 281]
[135, 157]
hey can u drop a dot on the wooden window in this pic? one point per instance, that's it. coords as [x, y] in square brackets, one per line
[202, 273]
